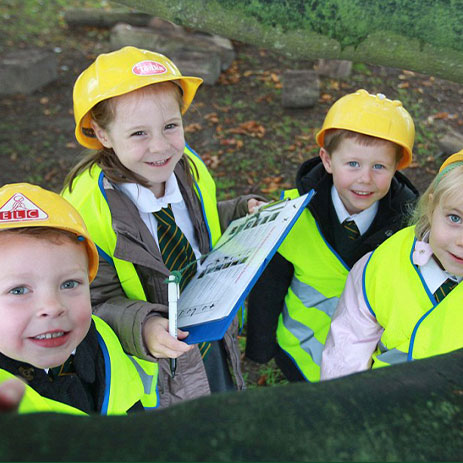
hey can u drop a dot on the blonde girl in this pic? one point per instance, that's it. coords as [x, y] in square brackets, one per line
[402, 301]
[128, 106]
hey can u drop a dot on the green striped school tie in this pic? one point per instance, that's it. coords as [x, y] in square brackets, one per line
[444, 289]
[351, 229]
[176, 251]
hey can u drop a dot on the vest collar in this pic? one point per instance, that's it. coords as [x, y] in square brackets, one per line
[134, 242]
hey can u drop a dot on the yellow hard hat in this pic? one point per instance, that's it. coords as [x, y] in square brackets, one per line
[373, 115]
[457, 157]
[26, 205]
[119, 72]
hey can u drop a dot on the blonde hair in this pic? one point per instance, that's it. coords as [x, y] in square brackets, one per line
[103, 113]
[444, 188]
[334, 137]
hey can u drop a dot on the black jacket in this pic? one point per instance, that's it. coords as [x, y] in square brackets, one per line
[84, 388]
[267, 297]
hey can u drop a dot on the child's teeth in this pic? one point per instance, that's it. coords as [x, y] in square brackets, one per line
[50, 335]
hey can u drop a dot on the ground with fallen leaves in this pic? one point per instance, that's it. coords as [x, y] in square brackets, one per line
[249, 141]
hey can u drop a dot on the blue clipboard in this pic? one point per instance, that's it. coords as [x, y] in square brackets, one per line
[215, 329]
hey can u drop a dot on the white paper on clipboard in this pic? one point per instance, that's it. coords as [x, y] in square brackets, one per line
[237, 257]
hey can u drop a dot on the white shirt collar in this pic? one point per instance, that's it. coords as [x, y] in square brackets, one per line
[72, 353]
[146, 201]
[363, 219]
[431, 271]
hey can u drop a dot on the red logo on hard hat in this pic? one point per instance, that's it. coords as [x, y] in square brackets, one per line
[148, 68]
[19, 208]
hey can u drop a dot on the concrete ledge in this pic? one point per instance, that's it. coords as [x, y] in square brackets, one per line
[90, 17]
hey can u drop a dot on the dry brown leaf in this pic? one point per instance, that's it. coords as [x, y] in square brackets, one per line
[192, 128]
[251, 128]
[223, 109]
[274, 77]
[264, 99]
[441, 115]
[271, 188]
[212, 118]
[262, 381]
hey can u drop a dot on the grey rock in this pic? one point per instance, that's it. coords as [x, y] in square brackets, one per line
[24, 71]
[301, 89]
[198, 64]
[168, 42]
[335, 68]
[451, 141]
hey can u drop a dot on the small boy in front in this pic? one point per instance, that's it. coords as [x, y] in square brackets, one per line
[361, 199]
[70, 362]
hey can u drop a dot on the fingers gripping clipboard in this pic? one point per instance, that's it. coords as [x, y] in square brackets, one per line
[211, 299]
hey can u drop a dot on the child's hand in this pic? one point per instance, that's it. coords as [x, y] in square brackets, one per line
[253, 204]
[11, 393]
[160, 343]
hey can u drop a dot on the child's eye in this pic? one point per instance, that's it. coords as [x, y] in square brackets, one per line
[171, 126]
[378, 166]
[454, 218]
[353, 164]
[19, 291]
[138, 133]
[70, 284]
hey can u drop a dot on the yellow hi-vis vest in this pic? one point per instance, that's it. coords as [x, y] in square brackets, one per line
[123, 387]
[89, 198]
[415, 325]
[318, 280]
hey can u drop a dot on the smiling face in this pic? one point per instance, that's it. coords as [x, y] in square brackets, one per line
[362, 174]
[446, 235]
[45, 310]
[147, 133]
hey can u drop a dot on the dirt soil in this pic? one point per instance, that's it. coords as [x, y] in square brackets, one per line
[249, 141]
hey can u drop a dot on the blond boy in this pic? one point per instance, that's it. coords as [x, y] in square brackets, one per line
[69, 361]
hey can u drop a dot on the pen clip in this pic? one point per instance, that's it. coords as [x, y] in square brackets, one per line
[173, 288]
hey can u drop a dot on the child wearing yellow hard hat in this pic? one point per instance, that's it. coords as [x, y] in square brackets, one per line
[361, 199]
[402, 301]
[69, 361]
[150, 206]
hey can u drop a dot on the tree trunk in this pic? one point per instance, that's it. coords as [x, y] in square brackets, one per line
[409, 412]
[419, 35]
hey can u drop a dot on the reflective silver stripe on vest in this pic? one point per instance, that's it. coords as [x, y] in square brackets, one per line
[310, 297]
[146, 379]
[391, 356]
[305, 336]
